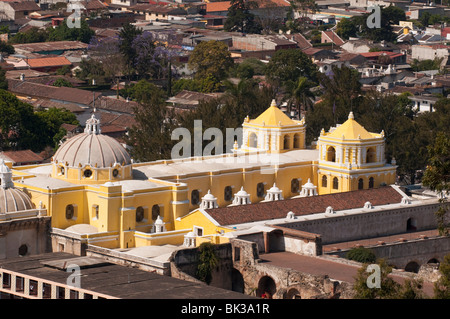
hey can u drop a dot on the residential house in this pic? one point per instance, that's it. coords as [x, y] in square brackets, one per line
[188, 100]
[157, 12]
[431, 52]
[302, 42]
[385, 57]
[256, 42]
[219, 8]
[48, 64]
[14, 10]
[30, 92]
[330, 36]
[317, 54]
[23, 157]
[51, 47]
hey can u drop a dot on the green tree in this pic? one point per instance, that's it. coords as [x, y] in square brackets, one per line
[211, 58]
[240, 19]
[389, 16]
[301, 96]
[127, 35]
[388, 287]
[53, 119]
[62, 82]
[287, 66]
[437, 177]
[20, 127]
[6, 48]
[442, 286]
[207, 262]
[32, 35]
[3, 80]
[362, 255]
[346, 28]
[64, 33]
[150, 137]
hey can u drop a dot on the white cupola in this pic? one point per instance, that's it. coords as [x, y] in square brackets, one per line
[309, 189]
[241, 198]
[274, 193]
[209, 201]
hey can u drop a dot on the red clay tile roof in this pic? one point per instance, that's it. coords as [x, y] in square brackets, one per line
[303, 206]
[48, 62]
[217, 6]
[25, 156]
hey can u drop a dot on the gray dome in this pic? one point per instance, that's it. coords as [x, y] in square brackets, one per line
[14, 200]
[93, 148]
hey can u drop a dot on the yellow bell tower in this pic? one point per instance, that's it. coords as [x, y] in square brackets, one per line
[351, 158]
[273, 132]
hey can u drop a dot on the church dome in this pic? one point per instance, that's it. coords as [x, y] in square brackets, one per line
[92, 148]
[11, 199]
[14, 200]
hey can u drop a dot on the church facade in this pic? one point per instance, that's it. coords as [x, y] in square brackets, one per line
[94, 192]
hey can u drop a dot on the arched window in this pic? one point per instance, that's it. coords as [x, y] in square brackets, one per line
[371, 155]
[295, 185]
[252, 140]
[297, 141]
[331, 154]
[335, 183]
[195, 197]
[140, 212]
[286, 141]
[155, 212]
[360, 183]
[228, 193]
[70, 211]
[324, 181]
[260, 190]
[371, 182]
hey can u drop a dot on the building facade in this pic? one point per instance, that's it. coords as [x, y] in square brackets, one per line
[96, 194]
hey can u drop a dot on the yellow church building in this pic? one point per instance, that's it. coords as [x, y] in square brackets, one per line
[94, 191]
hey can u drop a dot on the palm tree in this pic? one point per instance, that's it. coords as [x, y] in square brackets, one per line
[301, 96]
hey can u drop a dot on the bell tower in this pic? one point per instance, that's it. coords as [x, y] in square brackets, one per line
[273, 132]
[351, 158]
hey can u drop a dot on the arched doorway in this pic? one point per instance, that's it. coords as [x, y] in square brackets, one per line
[433, 261]
[266, 285]
[293, 293]
[412, 266]
[237, 281]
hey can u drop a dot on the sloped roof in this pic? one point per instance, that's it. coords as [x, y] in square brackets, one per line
[48, 62]
[273, 116]
[261, 211]
[23, 156]
[351, 130]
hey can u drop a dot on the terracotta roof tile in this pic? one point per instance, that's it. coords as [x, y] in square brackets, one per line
[48, 62]
[303, 206]
[24, 156]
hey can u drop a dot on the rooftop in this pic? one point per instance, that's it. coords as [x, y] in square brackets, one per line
[233, 215]
[114, 280]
